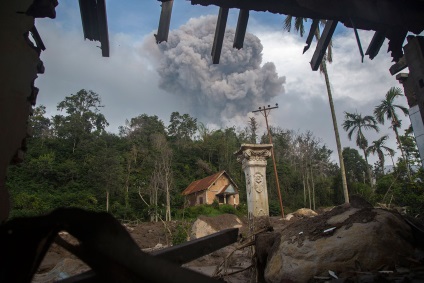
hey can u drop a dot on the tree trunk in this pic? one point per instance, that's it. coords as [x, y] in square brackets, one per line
[107, 201]
[309, 189]
[168, 201]
[127, 183]
[313, 188]
[304, 191]
[368, 168]
[401, 151]
[336, 132]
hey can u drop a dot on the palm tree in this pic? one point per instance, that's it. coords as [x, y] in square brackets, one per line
[377, 147]
[354, 122]
[387, 109]
[299, 27]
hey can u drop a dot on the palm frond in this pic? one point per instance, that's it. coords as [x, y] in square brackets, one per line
[299, 26]
[393, 93]
[402, 108]
[288, 23]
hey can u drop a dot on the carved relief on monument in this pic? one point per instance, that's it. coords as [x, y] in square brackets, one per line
[259, 182]
[254, 155]
[248, 183]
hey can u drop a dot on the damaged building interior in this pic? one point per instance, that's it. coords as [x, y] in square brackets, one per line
[400, 22]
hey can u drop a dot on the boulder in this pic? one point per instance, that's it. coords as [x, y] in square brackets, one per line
[305, 212]
[340, 241]
[205, 225]
[64, 269]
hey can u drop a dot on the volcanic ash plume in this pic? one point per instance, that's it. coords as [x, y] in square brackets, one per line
[216, 93]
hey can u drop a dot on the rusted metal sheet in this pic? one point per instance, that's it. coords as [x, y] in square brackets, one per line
[243, 18]
[219, 35]
[164, 22]
[322, 45]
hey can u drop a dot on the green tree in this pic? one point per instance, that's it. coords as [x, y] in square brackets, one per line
[182, 126]
[387, 110]
[106, 171]
[40, 123]
[377, 147]
[299, 27]
[410, 148]
[354, 122]
[253, 127]
[83, 117]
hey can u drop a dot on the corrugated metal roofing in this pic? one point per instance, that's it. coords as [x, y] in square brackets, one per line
[203, 184]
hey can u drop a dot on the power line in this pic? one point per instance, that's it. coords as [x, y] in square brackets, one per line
[265, 112]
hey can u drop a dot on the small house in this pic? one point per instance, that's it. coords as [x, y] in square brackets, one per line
[219, 187]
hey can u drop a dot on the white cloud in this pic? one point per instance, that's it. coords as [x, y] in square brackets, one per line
[128, 82]
[356, 86]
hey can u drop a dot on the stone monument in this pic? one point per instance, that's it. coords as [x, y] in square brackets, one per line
[253, 159]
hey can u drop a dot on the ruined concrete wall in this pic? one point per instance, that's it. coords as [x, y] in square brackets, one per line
[19, 61]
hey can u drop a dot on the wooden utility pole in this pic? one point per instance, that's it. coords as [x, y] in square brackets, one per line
[265, 112]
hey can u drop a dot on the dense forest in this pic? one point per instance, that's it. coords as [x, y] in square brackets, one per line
[139, 173]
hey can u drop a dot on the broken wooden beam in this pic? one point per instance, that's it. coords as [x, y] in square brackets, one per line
[311, 34]
[94, 23]
[322, 44]
[219, 34]
[164, 22]
[243, 18]
[375, 44]
[358, 40]
[179, 254]
[191, 250]
[398, 66]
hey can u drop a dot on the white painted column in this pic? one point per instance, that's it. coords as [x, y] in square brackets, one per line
[253, 159]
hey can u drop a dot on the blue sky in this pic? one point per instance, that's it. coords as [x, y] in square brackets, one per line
[128, 81]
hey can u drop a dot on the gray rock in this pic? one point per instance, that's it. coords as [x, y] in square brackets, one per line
[370, 237]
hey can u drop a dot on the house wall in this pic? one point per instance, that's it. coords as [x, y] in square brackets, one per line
[216, 187]
[195, 199]
[210, 195]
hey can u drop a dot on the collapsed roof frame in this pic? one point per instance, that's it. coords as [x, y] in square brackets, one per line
[389, 19]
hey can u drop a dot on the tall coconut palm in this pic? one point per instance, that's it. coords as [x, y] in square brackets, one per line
[377, 147]
[300, 28]
[387, 109]
[354, 122]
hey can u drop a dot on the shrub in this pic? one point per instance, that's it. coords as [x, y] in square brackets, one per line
[180, 234]
[227, 208]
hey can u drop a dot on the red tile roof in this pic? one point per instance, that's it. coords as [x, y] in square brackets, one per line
[203, 184]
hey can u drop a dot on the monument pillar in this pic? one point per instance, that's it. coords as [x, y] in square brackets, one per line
[253, 159]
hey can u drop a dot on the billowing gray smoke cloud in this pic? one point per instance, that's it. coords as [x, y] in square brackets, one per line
[216, 93]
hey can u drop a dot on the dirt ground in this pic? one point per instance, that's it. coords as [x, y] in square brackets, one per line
[151, 236]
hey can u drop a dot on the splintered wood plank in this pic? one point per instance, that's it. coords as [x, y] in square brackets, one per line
[219, 35]
[164, 22]
[241, 29]
[322, 45]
